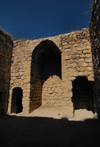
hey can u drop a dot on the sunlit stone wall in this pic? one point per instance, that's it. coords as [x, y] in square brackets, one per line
[45, 69]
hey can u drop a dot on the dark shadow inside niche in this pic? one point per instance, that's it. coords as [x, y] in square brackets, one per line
[46, 62]
[49, 65]
[83, 93]
[16, 104]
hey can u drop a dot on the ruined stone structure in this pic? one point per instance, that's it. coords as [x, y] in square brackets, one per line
[5, 65]
[61, 71]
[55, 71]
[95, 45]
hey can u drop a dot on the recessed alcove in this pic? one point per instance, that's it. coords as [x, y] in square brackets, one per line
[45, 64]
[16, 104]
[83, 94]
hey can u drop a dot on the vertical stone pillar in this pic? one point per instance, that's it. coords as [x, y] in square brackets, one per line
[25, 102]
[10, 100]
[66, 88]
[26, 91]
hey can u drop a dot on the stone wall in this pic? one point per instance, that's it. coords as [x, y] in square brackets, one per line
[6, 44]
[95, 48]
[47, 69]
[76, 63]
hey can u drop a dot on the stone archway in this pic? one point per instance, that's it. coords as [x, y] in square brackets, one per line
[16, 105]
[45, 66]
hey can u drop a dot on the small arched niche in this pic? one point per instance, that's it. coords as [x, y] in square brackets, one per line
[45, 64]
[83, 94]
[16, 104]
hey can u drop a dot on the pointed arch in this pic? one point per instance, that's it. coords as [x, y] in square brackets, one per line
[46, 62]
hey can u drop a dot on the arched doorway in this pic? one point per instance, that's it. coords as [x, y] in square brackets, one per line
[83, 94]
[16, 105]
[46, 63]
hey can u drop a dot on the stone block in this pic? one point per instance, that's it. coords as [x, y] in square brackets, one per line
[81, 48]
[88, 47]
[79, 52]
[89, 69]
[72, 65]
[91, 78]
[81, 69]
[75, 57]
[84, 64]
[67, 57]
[67, 46]
[89, 55]
[81, 74]
[67, 50]
[75, 45]
[86, 52]
[87, 60]
[73, 74]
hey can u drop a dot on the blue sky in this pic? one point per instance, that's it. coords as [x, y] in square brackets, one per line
[43, 18]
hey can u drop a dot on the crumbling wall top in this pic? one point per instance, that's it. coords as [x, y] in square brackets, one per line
[5, 38]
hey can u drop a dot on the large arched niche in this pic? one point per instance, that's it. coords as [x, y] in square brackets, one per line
[45, 66]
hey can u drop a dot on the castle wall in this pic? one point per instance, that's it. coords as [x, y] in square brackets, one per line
[45, 69]
[5, 64]
[94, 28]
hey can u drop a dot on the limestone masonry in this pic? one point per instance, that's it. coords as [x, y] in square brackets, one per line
[61, 71]
[46, 72]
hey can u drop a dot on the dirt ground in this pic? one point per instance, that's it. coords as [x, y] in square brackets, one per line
[58, 113]
[50, 127]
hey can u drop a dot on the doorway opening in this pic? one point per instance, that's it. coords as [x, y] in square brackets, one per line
[16, 105]
[83, 94]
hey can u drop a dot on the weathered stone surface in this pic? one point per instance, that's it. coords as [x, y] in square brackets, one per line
[84, 64]
[87, 60]
[43, 70]
[28, 58]
[6, 45]
[94, 28]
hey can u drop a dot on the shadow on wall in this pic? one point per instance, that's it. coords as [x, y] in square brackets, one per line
[46, 62]
[83, 94]
[0, 96]
[16, 104]
[1, 103]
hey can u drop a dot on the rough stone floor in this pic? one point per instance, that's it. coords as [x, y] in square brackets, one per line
[43, 130]
[58, 113]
